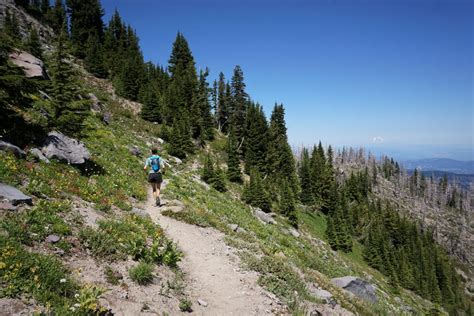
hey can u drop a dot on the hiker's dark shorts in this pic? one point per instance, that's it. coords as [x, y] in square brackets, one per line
[155, 177]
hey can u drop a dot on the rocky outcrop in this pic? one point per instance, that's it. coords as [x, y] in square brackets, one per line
[32, 67]
[10, 148]
[358, 287]
[13, 195]
[264, 217]
[35, 152]
[65, 149]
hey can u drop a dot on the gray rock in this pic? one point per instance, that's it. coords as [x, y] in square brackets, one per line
[176, 160]
[52, 239]
[107, 118]
[134, 150]
[35, 152]
[140, 212]
[294, 232]
[14, 196]
[4, 205]
[96, 105]
[32, 67]
[322, 294]
[10, 148]
[357, 286]
[264, 217]
[160, 140]
[240, 230]
[233, 227]
[66, 149]
[202, 302]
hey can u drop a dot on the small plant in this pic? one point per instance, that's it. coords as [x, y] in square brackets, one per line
[142, 273]
[111, 276]
[185, 305]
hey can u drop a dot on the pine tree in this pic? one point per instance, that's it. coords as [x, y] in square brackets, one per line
[280, 160]
[151, 109]
[304, 173]
[57, 16]
[85, 18]
[222, 114]
[94, 56]
[238, 104]
[256, 139]
[287, 204]
[233, 165]
[255, 193]
[208, 172]
[218, 181]
[33, 44]
[68, 110]
[11, 28]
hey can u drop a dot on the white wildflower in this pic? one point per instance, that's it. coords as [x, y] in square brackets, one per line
[62, 281]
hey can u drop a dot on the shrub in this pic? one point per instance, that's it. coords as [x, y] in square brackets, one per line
[142, 273]
[185, 305]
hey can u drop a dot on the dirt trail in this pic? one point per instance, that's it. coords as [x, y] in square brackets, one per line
[213, 271]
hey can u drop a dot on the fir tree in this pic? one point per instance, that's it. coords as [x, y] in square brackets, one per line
[208, 172]
[33, 44]
[287, 204]
[256, 139]
[11, 28]
[85, 18]
[238, 104]
[222, 114]
[57, 16]
[304, 173]
[218, 181]
[94, 56]
[255, 193]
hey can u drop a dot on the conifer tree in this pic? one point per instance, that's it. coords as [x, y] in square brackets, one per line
[287, 204]
[57, 16]
[208, 172]
[218, 181]
[68, 110]
[304, 173]
[255, 193]
[11, 28]
[33, 44]
[222, 114]
[255, 139]
[233, 165]
[280, 160]
[85, 18]
[94, 56]
[238, 104]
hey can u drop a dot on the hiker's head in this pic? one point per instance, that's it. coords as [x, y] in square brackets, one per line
[154, 151]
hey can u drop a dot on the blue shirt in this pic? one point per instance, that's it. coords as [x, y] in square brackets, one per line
[148, 162]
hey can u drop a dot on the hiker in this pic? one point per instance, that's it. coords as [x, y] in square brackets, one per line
[155, 175]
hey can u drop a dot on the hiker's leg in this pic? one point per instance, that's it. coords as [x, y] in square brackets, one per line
[158, 189]
[153, 186]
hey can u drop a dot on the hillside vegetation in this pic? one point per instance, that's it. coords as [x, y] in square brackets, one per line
[299, 221]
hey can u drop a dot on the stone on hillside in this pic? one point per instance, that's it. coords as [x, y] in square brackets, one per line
[96, 106]
[52, 239]
[202, 302]
[35, 152]
[7, 147]
[7, 206]
[264, 217]
[107, 118]
[233, 227]
[160, 140]
[357, 286]
[323, 295]
[134, 150]
[63, 148]
[294, 232]
[176, 160]
[13, 195]
[240, 230]
[140, 212]
[32, 67]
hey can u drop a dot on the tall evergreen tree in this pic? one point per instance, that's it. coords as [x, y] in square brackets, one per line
[287, 204]
[255, 193]
[85, 18]
[304, 172]
[222, 108]
[255, 139]
[238, 104]
[233, 165]
[57, 16]
[33, 44]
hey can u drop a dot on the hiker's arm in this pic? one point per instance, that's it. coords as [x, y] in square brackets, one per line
[146, 164]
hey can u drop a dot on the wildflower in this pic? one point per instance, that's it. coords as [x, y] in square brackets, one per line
[76, 295]
[77, 305]
[72, 308]
[62, 281]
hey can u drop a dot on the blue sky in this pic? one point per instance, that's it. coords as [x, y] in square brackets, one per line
[354, 72]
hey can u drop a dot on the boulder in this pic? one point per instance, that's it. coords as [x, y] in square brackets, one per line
[294, 232]
[357, 286]
[32, 67]
[96, 106]
[13, 195]
[140, 212]
[107, 118]
[233, 227]
[176, 160]
[52, 239]
[35, 152]
[264, 217]
[66, 149]
[134, 150]
[7, 147]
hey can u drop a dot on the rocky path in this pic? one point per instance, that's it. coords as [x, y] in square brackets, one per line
[213, 272]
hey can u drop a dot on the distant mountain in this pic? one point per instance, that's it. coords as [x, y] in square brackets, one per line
[441, 164]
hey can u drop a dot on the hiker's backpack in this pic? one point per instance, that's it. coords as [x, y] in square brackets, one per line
[155, 163]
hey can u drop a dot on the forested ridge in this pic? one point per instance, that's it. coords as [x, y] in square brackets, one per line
[192, 112]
